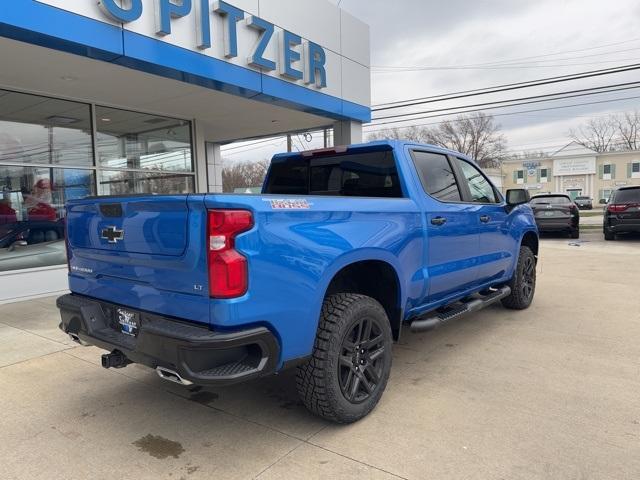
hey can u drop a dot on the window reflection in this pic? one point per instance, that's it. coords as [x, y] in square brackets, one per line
[41, 130]
[32, 203]
[142, 142]
[47, 158]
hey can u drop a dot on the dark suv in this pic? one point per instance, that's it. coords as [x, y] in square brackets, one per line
[556, 212]
[622, 214]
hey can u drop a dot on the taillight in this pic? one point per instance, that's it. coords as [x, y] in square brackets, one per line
[228, 272]
[620, 207]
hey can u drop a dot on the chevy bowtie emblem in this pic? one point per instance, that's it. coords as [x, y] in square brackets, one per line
[112, 234]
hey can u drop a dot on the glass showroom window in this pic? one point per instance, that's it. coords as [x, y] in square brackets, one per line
[46, 158]
[141, 153]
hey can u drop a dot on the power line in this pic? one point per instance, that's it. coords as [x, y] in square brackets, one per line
[516, 60]
[525, 100]
[495, 115]
[276, 144]
[266, 140]
[505, 87]
[502, 67]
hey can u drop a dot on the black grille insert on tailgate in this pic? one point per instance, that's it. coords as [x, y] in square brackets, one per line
[111, 210]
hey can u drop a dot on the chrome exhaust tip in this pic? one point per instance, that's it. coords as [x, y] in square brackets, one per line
[171, 376]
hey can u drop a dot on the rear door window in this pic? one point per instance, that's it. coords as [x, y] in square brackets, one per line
[366, 174]
[436, 176]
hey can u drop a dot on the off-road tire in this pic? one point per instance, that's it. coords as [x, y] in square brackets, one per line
[319, 379]
[523, 283]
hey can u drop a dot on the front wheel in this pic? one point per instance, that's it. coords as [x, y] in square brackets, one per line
[351, 361]
[575, 233]
[523, 283]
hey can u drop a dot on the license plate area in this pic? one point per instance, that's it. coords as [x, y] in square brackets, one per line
[128, 321]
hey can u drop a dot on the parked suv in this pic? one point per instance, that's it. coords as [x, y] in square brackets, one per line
[584, 203]
[320, 272]
[622, 214]
[557, 213]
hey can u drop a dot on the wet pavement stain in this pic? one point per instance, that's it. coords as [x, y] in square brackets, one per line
[203, 397]
[159, 447]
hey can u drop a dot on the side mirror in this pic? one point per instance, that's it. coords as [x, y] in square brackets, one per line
[602, 201]
[18, 244]
[517, 196]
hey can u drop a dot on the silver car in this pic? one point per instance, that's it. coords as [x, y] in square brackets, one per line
[584, 203]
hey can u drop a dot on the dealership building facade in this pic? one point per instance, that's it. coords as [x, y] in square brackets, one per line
[106, 97]
[574, 170]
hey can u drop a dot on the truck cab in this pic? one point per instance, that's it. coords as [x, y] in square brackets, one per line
[319, 272]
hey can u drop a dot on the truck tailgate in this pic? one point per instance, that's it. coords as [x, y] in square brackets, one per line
[156, 226]
[143, 252]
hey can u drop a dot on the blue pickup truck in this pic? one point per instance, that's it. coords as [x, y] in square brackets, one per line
[319, 272]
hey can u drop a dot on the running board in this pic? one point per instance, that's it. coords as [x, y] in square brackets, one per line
[457, 310]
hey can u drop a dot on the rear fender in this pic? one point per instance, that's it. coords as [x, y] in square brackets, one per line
[355, 256]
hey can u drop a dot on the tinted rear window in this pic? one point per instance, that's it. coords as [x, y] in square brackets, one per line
[582, 198]
[631, 195]
[551, 200]
[370, 174]
[436, 175]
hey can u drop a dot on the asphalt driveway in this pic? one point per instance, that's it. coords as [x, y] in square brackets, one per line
[549, 393]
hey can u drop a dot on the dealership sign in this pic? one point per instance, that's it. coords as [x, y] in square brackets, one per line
[574, 166]
[296, 59]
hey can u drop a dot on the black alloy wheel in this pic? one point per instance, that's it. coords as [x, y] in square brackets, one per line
[361, 360]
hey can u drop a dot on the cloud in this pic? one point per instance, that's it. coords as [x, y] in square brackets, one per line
[408, 33]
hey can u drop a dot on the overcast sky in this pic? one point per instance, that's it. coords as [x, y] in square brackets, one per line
[457, 45]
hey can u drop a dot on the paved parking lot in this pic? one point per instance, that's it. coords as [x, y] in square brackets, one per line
[549, 393]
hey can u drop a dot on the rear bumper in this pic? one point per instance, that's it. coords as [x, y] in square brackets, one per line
[199, 355]
[557, 224]
[625, 228]
[622, 226]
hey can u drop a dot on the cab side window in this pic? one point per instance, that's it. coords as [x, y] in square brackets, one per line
[481, 190]
[436, 175]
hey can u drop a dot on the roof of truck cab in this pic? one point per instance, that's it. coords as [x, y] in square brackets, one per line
[391, 144]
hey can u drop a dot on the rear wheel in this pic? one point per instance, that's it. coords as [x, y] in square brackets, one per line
[523, 283]
[351, 361]
[608, 234]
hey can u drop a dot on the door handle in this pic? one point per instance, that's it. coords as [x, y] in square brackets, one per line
[485, 218]
[439, 221]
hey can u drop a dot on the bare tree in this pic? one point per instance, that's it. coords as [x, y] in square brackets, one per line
[475, 135]
[627, 126]
[597, 134]
[413, 134]
[528, 154]
[244, 175]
